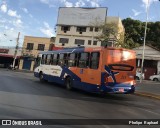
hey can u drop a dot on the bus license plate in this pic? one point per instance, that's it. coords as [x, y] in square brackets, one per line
[121, 89]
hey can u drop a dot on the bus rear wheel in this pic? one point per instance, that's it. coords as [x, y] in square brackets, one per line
[41, 77]
[68, 83]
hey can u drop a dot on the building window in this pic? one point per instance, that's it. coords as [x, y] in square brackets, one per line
[96, 29]
[94, 42]
[65, 28]
[89, 42]
[41, 47]
[81, 29]
[30, 46]
[91, 29]
[63, 40]
[79, 42]
[110, 44]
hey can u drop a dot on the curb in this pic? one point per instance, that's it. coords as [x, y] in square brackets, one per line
[150, 95]
[25, 71]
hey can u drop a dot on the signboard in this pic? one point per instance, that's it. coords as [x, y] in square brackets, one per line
[81, 16]
[4, 50]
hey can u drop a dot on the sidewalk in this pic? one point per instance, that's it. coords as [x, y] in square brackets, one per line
[148, 89]
[22, 70]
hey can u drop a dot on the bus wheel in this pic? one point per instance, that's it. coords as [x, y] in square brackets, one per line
[68, 83]
[41, 77]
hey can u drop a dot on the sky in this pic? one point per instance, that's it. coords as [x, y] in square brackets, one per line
[39, 17]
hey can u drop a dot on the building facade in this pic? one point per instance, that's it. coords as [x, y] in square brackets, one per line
[31, 47]
[151, 60]
[7, 55]
[77, 26]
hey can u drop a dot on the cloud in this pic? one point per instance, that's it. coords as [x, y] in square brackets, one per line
[71, 3]
[13, 14]
[94, 3]
[17, 23]
[45, 1]
[136, 13]
[50, 3]
[3, 8]
[25, 10]
[148, 2]
[3, 20]
[31, 15]
[47, 30]
[79, 3]
[67, 3]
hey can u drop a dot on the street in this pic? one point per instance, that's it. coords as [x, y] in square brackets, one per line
[23, 97]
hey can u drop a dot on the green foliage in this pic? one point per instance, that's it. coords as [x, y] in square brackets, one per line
[108, 30]
[134, 32]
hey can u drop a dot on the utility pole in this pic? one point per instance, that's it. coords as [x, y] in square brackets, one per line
[16, 49]
[144, 43]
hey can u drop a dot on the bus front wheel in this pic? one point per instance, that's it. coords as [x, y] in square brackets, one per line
[68, 83]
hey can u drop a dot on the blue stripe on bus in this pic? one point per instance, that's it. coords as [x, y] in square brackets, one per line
[91, 87]
[70, 73]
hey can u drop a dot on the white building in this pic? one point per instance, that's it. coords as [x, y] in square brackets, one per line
[75, 26]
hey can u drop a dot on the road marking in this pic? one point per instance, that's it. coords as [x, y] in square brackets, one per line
[150, 95]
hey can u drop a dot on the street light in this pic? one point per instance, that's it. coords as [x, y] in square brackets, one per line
[144, 43]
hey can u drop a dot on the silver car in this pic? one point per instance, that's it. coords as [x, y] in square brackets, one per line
[155, 77]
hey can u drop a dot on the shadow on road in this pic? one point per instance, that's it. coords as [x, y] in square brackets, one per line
[32, 86]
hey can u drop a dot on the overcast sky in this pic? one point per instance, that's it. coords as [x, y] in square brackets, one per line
[39, 17]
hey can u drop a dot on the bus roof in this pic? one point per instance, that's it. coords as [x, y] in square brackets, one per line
[82, 49]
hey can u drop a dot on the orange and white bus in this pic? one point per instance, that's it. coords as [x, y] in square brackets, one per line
[104, 70]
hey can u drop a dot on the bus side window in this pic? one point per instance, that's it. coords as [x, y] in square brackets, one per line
[94, 61]
[43, 58]
[55, 59]
[37, 61]
[72, 60]
[51, 60]
[62, 59]
[83, 61]
[48, 59]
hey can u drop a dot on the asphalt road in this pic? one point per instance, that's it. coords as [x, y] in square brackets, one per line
[23, 97]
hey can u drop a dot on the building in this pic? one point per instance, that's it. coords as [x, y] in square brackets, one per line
[7, 55]
[31, 47]
[77, 26]
[151, 60]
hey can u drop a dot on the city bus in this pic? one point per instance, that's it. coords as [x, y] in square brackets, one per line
[97, 70]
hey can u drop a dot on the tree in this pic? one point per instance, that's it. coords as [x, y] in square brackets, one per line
[134, 30]
[109, 31]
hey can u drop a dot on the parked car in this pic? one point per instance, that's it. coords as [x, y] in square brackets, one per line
[138, 75]
[155, 77]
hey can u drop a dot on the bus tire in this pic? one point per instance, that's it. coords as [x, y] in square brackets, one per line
[41, 77]
[68, 83]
